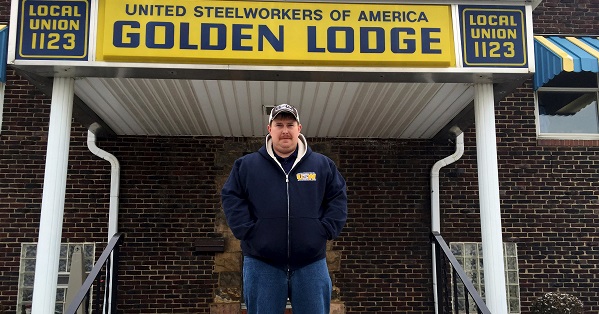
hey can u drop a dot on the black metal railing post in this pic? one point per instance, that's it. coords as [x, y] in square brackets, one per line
[440, 279]
[115, 277]
[454, 296]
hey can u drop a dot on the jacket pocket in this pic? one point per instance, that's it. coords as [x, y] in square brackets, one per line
[308, 239]
[268, 239]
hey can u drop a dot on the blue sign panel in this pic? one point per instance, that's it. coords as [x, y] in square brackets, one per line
[3, 52]
[53, 30]
[493, 36]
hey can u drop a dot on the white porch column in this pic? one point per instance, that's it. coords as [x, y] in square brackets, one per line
[55, 177]
[490, 213]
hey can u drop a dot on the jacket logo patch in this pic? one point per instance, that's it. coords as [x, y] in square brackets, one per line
[306, 176]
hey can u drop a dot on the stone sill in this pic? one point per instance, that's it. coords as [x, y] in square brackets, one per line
[568, 143]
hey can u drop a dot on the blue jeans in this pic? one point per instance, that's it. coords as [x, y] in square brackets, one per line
[266, 288]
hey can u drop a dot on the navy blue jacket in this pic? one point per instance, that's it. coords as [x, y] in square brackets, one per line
[285, 220]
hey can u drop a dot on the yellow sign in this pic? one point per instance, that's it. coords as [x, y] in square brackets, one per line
[275, 33]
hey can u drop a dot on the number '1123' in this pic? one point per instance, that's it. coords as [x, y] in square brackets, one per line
[53, 41]
[494, 49]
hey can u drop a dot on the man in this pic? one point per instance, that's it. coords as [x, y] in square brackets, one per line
[284, 202]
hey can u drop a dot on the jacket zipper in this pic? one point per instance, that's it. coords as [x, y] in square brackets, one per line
[288, 222]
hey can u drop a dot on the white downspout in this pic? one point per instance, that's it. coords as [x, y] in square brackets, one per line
[114, 182]
[113, 213]
[435, 207]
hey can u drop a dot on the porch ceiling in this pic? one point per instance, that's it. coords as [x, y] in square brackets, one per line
[177, 107]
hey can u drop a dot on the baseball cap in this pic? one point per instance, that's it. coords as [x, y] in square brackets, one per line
[283, 108]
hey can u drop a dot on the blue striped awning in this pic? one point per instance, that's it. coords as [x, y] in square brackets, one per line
[556, 54]
[3, 52]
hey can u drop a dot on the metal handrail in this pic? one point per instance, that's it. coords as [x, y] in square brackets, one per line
[112, 249]
[442, 247]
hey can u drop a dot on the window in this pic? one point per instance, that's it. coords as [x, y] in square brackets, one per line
[27, 271]
[567, 107]
[470, 256]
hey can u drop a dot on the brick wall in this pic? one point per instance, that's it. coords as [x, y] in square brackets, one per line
[170, 197]
[4, 11]
[566, 17]
[385, 264]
